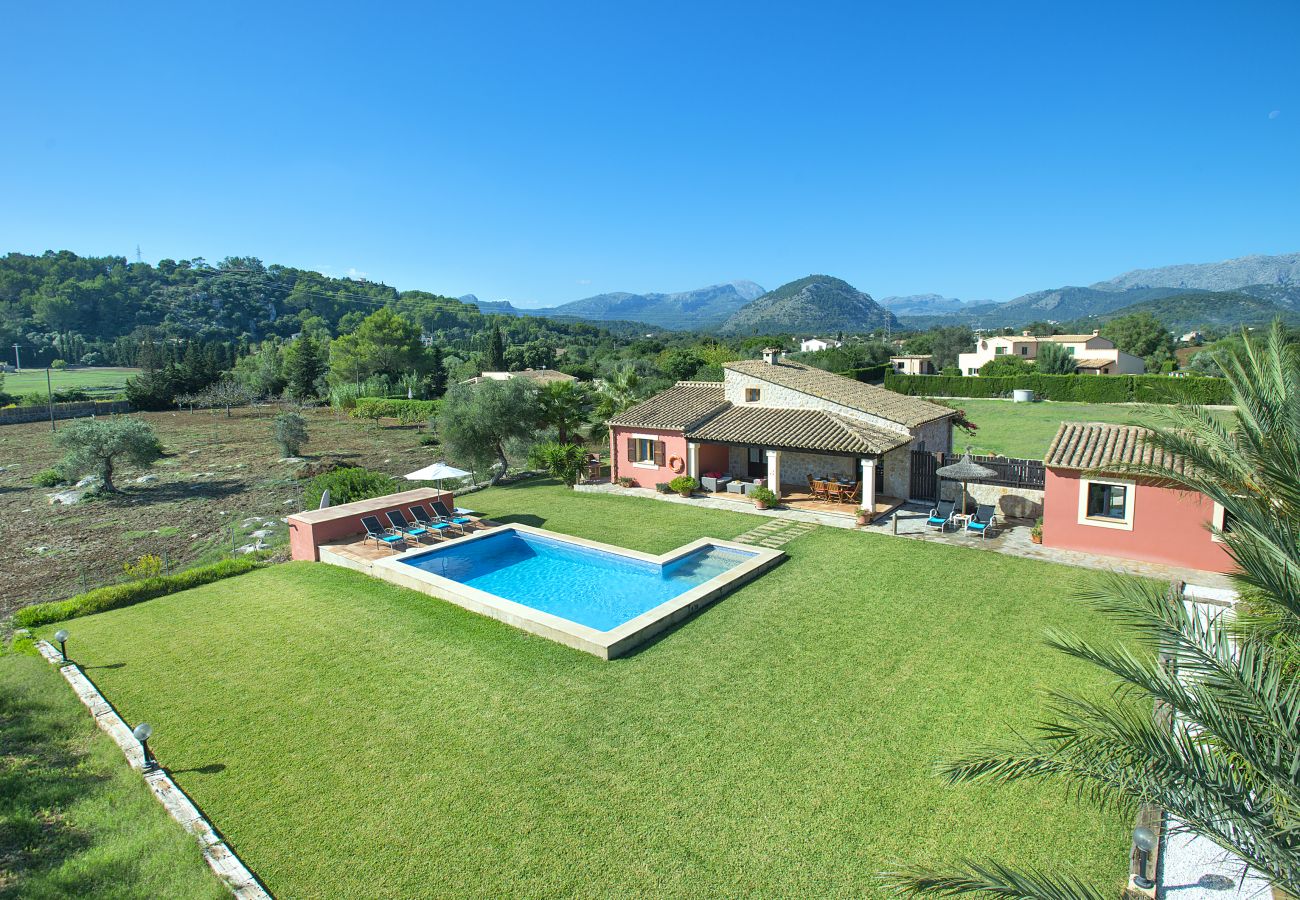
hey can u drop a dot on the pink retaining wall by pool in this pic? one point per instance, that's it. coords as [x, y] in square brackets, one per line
[311, 528]
[645, 475]
[1169, 526]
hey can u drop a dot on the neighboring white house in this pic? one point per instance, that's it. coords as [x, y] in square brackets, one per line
[1191, 337]
[915, 364]
[1093, 354]
[812, 344]
[541, 376]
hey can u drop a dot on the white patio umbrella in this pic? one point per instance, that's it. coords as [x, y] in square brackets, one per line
[965, 470]
[436, 472]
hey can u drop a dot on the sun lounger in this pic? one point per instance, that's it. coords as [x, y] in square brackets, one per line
[387, 537]
[402, 525]
[445, 515]
[983, 522]
[435, 526]
[940, 516]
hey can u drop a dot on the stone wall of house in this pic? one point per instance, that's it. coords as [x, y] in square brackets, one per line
[783, 397]
[898, 471]
[796, 468]
[1012, 503]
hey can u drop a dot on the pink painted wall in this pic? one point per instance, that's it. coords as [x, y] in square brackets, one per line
[645, 476]
[311, 528]
[1169, 526]
[715, 458]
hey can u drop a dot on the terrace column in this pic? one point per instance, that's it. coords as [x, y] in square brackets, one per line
[693, 460]
[869, 485]
[774, 472]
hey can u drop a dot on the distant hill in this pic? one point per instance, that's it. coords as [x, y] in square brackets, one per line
[501, 307]
[1192, 310]
[1228, 275]
[925, 304]
[701, 309]
[1059, 305]
[818, 303]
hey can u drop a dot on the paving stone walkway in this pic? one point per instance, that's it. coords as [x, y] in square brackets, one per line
[775, 533]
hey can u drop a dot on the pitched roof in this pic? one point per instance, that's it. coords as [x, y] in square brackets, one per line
[868, 398]
[1097, 362]
[1096, 445]
[796, 429]
[1050, 338]
[684, 404]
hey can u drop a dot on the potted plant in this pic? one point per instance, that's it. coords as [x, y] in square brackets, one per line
[763, 497]
[1036, 533]
[864, 518]
[683, 484]
[625, 481]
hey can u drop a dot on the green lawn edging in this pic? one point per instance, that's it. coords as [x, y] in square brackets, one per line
[116, 596]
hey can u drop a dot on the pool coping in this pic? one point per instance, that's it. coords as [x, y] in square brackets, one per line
[604, 644]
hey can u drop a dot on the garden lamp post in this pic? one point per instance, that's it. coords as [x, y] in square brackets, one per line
[62, 637]
[142, 733]
[1145, 841]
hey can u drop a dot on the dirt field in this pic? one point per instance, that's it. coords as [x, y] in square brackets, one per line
[220, 482]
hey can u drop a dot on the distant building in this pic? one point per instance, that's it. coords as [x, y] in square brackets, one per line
[426, 339]
[541, 376]
[1094, 354]
[1192, 337]
[813, 344]
[917, 364]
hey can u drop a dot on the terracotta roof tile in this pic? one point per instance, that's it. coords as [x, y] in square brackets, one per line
[683, 405]
[868, 398]
[796, 429]
[1096, 445]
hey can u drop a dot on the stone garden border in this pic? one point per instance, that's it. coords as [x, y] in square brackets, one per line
[225, 863]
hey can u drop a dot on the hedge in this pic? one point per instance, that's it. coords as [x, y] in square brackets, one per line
[407, 412]
[869, 374]
[116, 596]
[1078, 388]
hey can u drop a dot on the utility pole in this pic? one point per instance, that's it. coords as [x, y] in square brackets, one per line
[18, 362]
[49, 392]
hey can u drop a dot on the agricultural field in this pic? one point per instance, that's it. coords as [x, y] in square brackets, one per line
[1025, 430]
[220, 483]
[99, 382]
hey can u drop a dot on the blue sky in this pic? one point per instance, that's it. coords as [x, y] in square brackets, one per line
[545, 154]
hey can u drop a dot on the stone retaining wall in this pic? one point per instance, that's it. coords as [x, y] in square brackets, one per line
[1010, 502]
[15, 415]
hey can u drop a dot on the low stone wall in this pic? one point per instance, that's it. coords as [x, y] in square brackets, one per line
[15, 415]
[1010, 502]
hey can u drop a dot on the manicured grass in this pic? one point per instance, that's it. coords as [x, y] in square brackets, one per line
[105, 380]
[75, 821]
[1025, 430]
[352, 738]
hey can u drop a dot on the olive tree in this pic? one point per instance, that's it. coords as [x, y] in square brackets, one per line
[98, 446]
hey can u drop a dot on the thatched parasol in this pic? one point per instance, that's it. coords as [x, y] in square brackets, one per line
[965, 470]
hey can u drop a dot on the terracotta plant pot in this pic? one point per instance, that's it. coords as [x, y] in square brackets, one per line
[686, 494]
[863, 519]
[760, 504]
[1036, 538]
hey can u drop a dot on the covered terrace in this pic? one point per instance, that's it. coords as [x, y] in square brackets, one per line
[790, 451]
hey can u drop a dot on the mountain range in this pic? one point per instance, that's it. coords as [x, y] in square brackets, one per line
[1249, 290]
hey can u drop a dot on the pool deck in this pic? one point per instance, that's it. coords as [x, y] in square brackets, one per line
[617, 641]
[356, 552]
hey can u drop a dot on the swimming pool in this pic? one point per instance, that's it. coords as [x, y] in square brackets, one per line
[592, 596]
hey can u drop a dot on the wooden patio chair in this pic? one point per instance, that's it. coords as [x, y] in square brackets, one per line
[834, 490]
[852, 493]
[819, 490]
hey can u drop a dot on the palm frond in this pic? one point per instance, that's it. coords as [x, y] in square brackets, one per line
[993, 879]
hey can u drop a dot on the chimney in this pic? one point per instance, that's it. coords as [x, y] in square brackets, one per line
[771, 355]
[1096, 331]
[1026, 333]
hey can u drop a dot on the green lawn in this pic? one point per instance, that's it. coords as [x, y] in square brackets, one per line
[75, 821]
[1026, 430]
[93, 380]
[352, 738]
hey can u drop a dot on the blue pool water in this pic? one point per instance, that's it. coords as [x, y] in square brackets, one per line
[591, 587]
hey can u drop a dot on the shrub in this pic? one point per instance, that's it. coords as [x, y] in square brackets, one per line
[563, 461]
[290, 432]
[59, 364]
[683, 484]
[1189, 389]
[1078, 388]
[148, 566]
[663, 487]
[119, 595]
[626, 481]
[347, 485]
[406, 412]
[48, 478]
[764, 495]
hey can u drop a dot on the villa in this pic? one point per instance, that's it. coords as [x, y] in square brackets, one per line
[782, 424]
[811, 345]
[1087, 509]
[1093, 354]
[541, 376]
[914, 364]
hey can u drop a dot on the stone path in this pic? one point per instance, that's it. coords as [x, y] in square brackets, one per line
[775, 533]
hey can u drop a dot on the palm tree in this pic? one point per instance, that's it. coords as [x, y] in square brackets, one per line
[621, 389]
[564, 406]
[1223, 757]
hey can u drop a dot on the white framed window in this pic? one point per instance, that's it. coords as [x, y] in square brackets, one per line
[1222, 521]
[1106, 503]
[645, 451]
